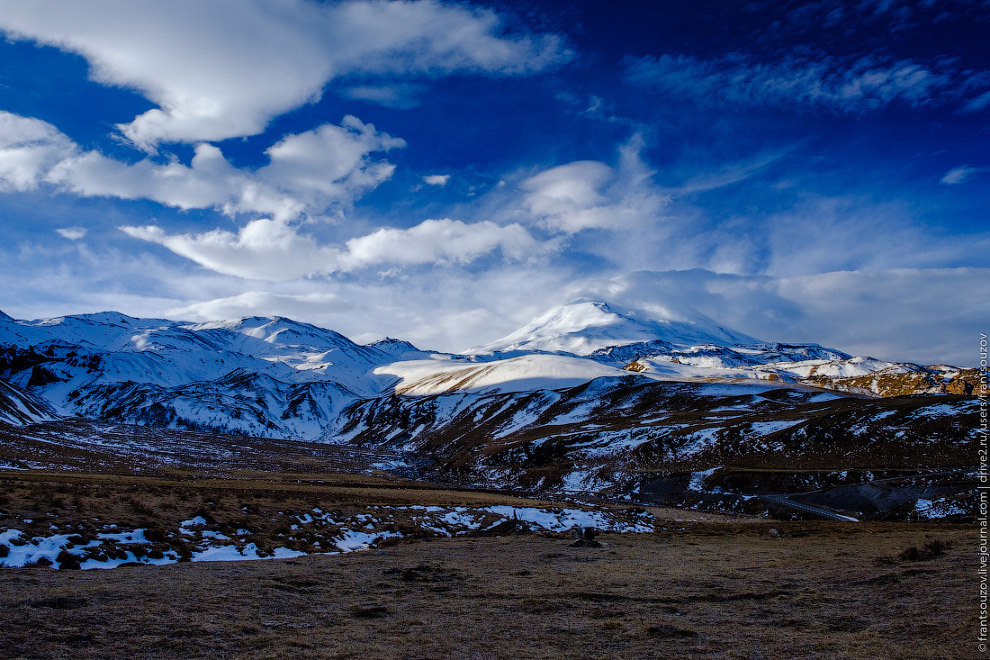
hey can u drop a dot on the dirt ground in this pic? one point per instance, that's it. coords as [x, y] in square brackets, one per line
[698, 590]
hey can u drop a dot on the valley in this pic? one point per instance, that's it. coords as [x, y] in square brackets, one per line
[599, 478]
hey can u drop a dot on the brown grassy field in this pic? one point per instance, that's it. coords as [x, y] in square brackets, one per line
[699, 590]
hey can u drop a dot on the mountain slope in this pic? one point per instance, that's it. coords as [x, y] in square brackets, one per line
[628, 436]
[18, 407]
[270, 377]
[525, 373]
[585, 326]
[274, 377]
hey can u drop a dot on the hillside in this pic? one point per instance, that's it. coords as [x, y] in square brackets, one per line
[274, 377]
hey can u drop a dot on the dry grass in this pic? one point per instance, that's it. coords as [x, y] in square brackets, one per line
[62, 503]
[709, 590]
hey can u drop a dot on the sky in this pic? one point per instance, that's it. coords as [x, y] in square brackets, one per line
[799, 170]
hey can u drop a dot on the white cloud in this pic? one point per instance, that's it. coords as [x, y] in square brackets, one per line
[307, 172]
[275, 250]
[843, 85]
[591, 195]
[331, 161]
[958, 175]
[436, 179]
[224, 68]
[439, 241]
[71, 233]
[263, 249]
[29, 148]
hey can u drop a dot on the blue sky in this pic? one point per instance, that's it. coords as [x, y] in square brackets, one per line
[801, 171]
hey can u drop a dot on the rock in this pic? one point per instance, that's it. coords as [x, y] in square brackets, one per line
[584, 537]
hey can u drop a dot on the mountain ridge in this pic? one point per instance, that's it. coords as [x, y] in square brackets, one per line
[276, 377]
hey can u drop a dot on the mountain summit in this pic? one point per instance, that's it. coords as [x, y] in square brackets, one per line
[584, 326]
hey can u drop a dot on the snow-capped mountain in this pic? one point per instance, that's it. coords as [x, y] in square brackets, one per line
[274, 377]
[584, 326]
[259, 376]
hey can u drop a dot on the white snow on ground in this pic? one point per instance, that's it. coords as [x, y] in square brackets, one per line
[50, 547]
[527, 415]
[170, 558]
[35, 549]
[353, 540]
[697, 481]
[519, 374]
[606, 443]
[698, 441]
[577, 481]
[944, 410]
[578, 414]
[766, 428]
[940, 508]
[562, 520]
[248, 552]
[852, 368]
[137, 536]
[445, 521]
[391, 465]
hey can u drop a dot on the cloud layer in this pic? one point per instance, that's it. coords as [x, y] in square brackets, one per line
[307, 172]
[835, 84]
[207, 86]
[273, 250]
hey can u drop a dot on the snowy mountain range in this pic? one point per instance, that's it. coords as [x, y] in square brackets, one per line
[274, 377]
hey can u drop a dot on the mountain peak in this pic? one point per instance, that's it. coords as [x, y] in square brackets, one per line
[392, 342]
[279, 330]
[584, 325]
[95, 318]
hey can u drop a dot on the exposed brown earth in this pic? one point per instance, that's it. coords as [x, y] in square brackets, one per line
[709, 590]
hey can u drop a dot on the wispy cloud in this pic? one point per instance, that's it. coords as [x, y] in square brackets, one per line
[839, 85]
[960, 174]
[728, 174]
[896, 15]
[72, 233]
[402, 96]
